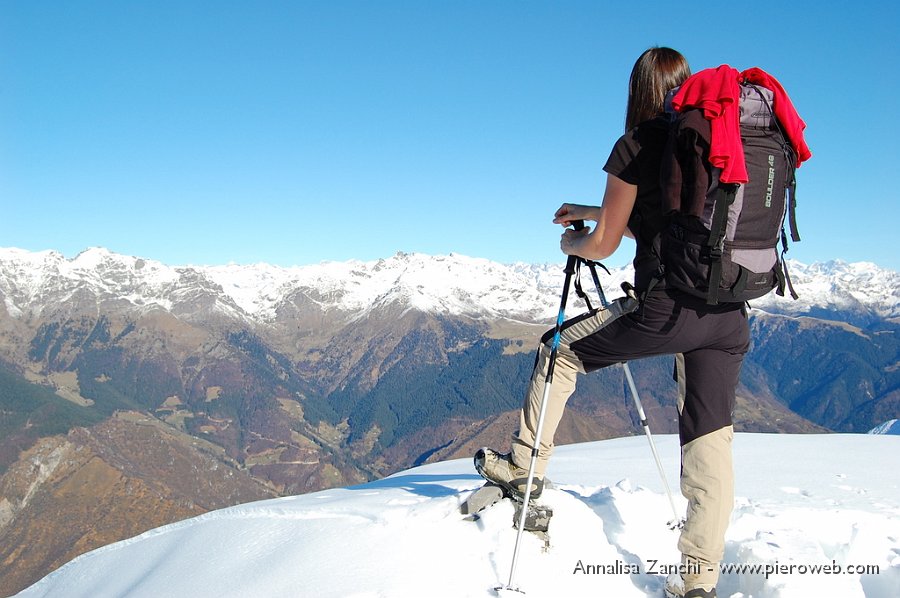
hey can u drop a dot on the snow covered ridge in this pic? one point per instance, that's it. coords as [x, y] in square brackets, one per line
[824, 525]
[892, 426]
[452, 284]
[839, 286]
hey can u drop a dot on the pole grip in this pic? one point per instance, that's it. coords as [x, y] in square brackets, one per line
[573, 259]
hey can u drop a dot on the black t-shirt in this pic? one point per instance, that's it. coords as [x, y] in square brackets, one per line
[636, 158]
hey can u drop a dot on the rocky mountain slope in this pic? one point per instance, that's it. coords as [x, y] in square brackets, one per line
[68, 494]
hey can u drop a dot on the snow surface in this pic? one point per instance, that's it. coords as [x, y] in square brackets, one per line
[802, 501]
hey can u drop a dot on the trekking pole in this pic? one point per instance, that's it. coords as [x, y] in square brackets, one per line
[676, 522]
[571, 263]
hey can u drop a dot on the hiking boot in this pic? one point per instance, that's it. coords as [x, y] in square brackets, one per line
[498, 468]
[675, 589]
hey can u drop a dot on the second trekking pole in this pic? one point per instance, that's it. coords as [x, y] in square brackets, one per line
[676, 521]
[571, 264]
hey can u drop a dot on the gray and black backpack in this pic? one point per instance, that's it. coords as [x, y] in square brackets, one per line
[722, 240]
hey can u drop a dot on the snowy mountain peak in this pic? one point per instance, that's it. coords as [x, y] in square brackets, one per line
[859, 287]
[451, 284]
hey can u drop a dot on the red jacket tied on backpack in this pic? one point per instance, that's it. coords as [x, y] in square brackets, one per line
[716, 93]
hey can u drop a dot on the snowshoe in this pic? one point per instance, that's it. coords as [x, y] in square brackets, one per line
[486, 496]
[537, 517]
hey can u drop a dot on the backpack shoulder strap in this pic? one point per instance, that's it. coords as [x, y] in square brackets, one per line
[724, 196]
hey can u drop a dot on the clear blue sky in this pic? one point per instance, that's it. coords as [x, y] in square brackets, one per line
[294, 132]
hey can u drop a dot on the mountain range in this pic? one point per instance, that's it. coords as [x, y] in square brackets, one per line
[133, 393]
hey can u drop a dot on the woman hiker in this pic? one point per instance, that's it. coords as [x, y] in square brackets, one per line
[709, 342]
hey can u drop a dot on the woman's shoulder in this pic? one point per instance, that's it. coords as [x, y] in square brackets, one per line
[650, 133]
[637, 146]
[652, 129]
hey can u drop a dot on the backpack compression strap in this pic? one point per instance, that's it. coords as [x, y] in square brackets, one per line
[784, 280]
